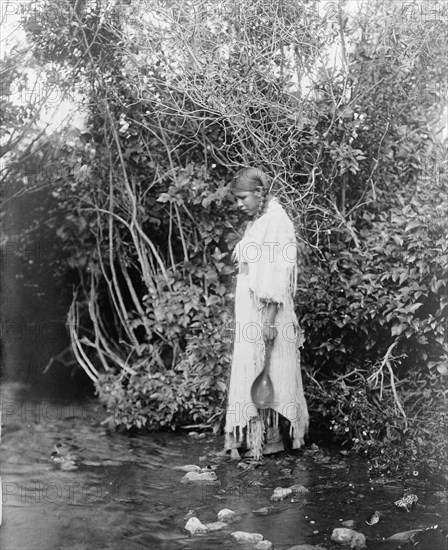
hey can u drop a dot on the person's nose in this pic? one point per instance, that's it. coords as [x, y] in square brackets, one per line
[240, 203]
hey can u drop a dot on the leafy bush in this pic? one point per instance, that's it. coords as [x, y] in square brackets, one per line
[390, 288]
[187, 384]
[389, 294]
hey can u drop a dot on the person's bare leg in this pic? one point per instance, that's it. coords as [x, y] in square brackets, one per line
[230, 443]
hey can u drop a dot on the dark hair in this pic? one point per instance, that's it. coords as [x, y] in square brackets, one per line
[250, 179]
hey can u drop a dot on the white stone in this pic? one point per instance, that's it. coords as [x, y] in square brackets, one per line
[199, 477]
[188, 468]
[280, 493]
[194, 526]
[243, 536]
[345, 536]
[263, 545]
[342, 534]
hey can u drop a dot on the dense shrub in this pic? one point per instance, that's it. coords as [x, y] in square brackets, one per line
[375, 321]
[392, 287]
[187, 384]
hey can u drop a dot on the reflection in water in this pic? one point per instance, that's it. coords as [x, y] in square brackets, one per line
[118, 491]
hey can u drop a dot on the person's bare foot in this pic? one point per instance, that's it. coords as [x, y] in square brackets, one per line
[234, 454]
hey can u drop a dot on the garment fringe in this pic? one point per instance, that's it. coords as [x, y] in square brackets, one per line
[255, 436]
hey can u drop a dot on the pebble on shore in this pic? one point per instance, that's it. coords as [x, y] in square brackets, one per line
[282, 492]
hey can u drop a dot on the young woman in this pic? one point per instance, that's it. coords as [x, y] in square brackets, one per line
[264, 316]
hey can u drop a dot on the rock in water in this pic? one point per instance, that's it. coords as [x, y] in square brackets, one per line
[194, 526]
[226, 515]
[263, 545]
[348, 536]
[188, 468]
[374, 518]
[298, 488]
[280, 493]
[358, 541]
[404, 536]
[243, 536]
[350, 523]
[199, 477]
[342, 534]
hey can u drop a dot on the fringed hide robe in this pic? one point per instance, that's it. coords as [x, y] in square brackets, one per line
[266, 258]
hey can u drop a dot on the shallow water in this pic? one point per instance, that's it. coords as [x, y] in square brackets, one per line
[122, 492]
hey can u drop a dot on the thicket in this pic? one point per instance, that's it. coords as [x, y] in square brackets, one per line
[181, 95]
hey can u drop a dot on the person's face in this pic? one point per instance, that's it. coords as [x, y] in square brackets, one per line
[247, 202]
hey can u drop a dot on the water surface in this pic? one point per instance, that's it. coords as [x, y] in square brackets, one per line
[123, 492]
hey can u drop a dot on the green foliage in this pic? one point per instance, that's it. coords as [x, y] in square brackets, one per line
[390, 290]
[64, 31]
[192, 341]
[391, 287]
[182, 329]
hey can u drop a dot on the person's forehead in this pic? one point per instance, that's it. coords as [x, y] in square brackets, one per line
[242, 194]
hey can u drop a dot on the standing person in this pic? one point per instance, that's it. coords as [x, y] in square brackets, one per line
[264, 314]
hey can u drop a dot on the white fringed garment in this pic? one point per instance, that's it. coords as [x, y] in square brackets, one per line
[269, 250]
